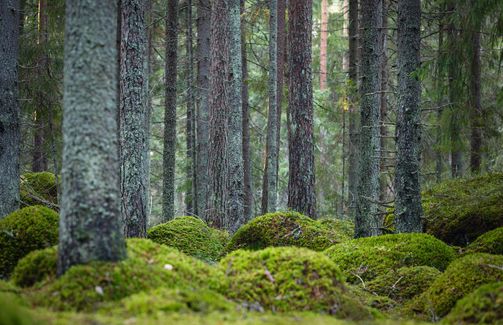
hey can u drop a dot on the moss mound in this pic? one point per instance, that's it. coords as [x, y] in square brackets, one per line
[23, 231]
[282, 229]
[458, 211]
[342, 230]
[491, 242]
[461, 277]
[148, 266]
[404, 283]
[12, 314]
[190, 235]
[367, 258]
[39, 188]
[35, 267]
[287, 279]
[483, 306]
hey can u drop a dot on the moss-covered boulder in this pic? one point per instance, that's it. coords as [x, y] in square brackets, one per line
[364, 259]
[13, 314]
[23, 231]
[190, 235]
[458, 211]
[37, 266]
[341, 229]
[482, 306]
[463, 276]
[491, 242]
[39, 189]
[404, 283]
[283, 229]
[289, 279]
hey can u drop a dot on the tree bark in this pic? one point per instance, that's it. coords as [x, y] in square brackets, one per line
[301, 181]
[439, 163]
[476, 111]
[168, 196]
[134, 117]
[384, 103]
[323, 44]
[408, 210]
[90, 224]
[9, 106]
[368, 221]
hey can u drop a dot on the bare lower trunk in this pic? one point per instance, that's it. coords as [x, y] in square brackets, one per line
[476, 111]
[323, 44]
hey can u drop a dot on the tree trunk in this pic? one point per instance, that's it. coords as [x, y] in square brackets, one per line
[439, 159]
[269, 185]
[385, 156]
[408, 210]
[281, 69]
[323, 44]
[476, 111]
[368, 220]
[133, 117]
[90, 225]
[203, 67]
[301, 181]
[168, 196]
[9, 107]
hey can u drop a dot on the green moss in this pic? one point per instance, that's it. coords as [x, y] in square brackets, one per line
[23, 231]
[283, 229]
[35, 267]
[482, 306]
[14, 294]
[458, 211]
[366, 258]
[404, 283]
[371, 299]
[190, 235]
[13, 314]
[148, 266]
[289, 278]
[342, 230]
[39, 188]
[461, 277]
[223, 236]
[491, 242]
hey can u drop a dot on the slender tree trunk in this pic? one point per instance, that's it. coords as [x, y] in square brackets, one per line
[133, 117]
[323, 44]
[90, 225]
[385, 155]
[408, 210]
[368, 220]
[203, 67]
[248, 185]
[439, 159]
[281, 70]
[476, 111]
[9, 106]
[301, 180]
[269, 185]
[168, 196]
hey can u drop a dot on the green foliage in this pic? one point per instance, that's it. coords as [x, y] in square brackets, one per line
[12, 314]
[284, 229]
[289, 278]
[367, 258]
[23, 231]
[190, 235]
[458, 211]
[482, 306]
[404, 283]
[39, 188]
[35, 267]
[461, 277]
[491, 242]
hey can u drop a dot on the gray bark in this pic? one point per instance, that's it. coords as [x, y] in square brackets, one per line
[408, 210]
[385, 156]
[134, 117]
[90, 224]
[9, 107]
[367, 220]
[301, 181]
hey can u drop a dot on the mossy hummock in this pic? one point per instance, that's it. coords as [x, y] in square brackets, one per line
[37, 266]
[13, 314]
[341, 229]
[23, 231]
[39, 189]
[364, 259]
[491, 242]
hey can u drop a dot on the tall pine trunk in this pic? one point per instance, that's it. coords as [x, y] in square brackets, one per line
[90, 225]
[476, 105]
[9, 106]
[323, 44]
[301, 180]
[408, 210]
[385, 153]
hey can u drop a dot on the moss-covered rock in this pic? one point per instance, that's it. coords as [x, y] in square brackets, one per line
[462, 277]
[283, 229]
[289, 279]
[366, 258]
[190, 235]
[37, 266]
[23, 231]
[39, 189]
[482, 306]
[148, 266]
[491, 242]
[367, 298]
[404, 283]
[14, 294]
[340, 229]
[458, 211]
[13, 314]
